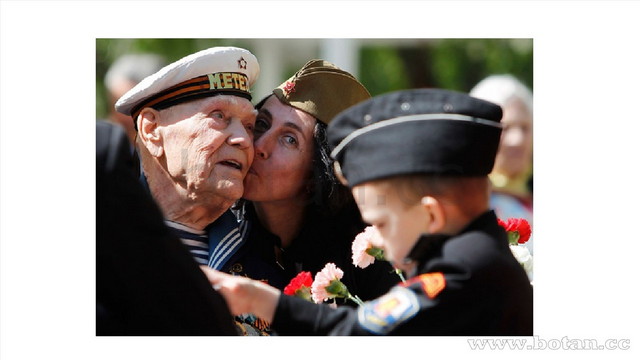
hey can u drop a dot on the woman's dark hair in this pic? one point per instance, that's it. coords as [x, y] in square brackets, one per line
[327, 193]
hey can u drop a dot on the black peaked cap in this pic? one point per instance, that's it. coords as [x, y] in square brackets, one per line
[418, 131]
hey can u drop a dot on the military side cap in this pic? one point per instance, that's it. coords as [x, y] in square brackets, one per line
[419, 131]
[321, 89]
[210, 72]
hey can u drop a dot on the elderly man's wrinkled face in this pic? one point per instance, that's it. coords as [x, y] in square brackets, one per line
[208, 145]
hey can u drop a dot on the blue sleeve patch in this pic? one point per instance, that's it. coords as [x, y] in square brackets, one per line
[382, 315]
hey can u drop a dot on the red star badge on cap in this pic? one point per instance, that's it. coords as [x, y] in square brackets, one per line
[242, 63]
[289, 87]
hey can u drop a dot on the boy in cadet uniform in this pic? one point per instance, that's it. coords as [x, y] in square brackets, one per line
[417, 163]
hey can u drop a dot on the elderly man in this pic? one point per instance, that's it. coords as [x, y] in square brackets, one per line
[195, 124]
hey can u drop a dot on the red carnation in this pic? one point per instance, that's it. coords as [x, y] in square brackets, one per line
[519, 230]
[300, 286]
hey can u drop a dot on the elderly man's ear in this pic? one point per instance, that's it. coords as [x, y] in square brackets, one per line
[149, 132]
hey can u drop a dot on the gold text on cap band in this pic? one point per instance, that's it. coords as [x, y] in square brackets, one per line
[201, 86]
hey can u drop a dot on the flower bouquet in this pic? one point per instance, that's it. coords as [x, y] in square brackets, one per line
[325, 286]
[327, 283]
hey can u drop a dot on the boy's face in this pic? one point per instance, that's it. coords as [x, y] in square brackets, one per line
[400, 223]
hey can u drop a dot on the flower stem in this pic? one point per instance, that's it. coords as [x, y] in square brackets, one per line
[355, 299]
[399, 272]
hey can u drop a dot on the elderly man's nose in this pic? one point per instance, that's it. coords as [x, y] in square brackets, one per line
[239, 135]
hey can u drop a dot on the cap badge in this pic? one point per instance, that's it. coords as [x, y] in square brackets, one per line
[242, 63]
[289, 88]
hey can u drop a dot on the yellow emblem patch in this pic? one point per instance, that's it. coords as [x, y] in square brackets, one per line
[382, 315]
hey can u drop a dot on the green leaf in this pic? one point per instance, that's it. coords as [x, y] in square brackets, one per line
[337, 289]
[513, 237]
[376, 252]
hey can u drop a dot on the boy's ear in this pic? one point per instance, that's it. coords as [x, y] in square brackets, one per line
[149, 132]
[435, 212]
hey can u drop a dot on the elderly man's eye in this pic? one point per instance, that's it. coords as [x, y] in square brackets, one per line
[217, 115]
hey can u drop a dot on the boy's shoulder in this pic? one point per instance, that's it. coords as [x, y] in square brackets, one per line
[473, 247]
[481, 244]
[483, 256]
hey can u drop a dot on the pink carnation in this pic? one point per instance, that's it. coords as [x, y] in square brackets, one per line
[323, 279]
[360, 245]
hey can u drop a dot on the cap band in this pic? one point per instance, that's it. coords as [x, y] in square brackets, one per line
[403, 119]
[199, 87]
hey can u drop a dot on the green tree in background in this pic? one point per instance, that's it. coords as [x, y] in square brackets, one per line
[456, 64]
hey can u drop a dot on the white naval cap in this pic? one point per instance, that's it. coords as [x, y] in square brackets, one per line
[210, 72]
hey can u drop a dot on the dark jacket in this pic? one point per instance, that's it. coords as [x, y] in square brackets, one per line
[323, 239]
[146, 281]
[468, 284]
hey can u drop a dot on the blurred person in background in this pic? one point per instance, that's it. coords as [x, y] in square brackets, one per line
[125, 73]
[512, 175]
